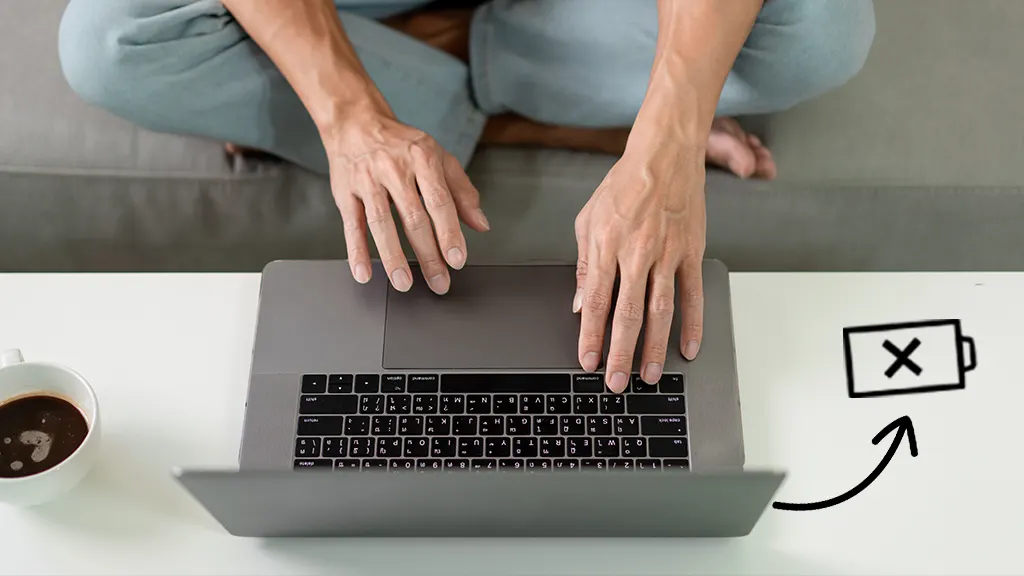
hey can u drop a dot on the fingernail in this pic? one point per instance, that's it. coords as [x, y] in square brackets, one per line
[690, 352]
[439, 284]
[456, 257]
[401, 280]
[590, 361]
[652, 373]
[483, 219]
[577, 302]
[362, 273]
[618, 382]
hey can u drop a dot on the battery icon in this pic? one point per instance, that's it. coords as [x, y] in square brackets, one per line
[907, 358]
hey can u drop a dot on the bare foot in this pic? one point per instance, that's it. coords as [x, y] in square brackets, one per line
[743, 154]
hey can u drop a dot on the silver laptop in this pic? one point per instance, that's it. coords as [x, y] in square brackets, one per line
[372, 412]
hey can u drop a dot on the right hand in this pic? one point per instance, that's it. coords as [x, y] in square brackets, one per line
[376, 160]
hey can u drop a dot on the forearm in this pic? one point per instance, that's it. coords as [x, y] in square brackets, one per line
[306, 41]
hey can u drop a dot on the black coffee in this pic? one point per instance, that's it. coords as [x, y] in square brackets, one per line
[37, 433]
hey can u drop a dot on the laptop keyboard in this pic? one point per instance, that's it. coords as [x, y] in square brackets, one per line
[507, 422]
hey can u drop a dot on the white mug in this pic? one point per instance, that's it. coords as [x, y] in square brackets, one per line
[19, 378]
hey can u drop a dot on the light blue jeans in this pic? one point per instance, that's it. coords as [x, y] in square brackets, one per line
[187, 67]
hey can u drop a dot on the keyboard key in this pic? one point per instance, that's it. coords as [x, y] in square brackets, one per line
[482, 464]
[585, 404]
[410, 425]
[478, 404]
[531, 404]
[538, 464]
[361, 447]
[384, 425]
[464, 425]
[559, 404]
[422, 383]
[417, 447]
[627, 426]
[439, 425]
[552, 447]
[517, 425]
[369, 404]
[313, 463]
[506, 404]
[367, 383]
[339, 384]
[607, 447]
[390, 447]
[307, 447]
[327, 404]
[375, 464]
[620, 464]
[524, 447]
[572, 426]
[510, 464]
[662, 447]
[402, 465]
[505, 383]
[392, 383]
[675, 464]
[656, 404]
[443, 447]
[399, 403]
[599, 425]
[320, 425]
[471, 447]
[584, 383]
[497, 447]
[641, 387]
[492, 425]
[663, 425]
[579, 447]
[613, 404]
[424, 404]
[671, 384]
[594, 463]
[545, 425]
[567, 464]
[648, 465]
[346, 464]
[429, 464]
[453, 404]
[456, 465]
[314, 383]
[634, 448]
[357, 426]
[335, 447]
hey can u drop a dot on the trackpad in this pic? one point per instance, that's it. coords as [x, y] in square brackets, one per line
[493, 317]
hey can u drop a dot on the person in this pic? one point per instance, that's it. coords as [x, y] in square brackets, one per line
[391, 99]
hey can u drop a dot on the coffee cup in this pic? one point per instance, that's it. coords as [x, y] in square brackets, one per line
[49, 430]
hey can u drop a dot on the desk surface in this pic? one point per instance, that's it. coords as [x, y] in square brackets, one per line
[169, 357]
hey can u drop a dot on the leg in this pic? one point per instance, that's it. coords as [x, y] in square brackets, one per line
[186, 66]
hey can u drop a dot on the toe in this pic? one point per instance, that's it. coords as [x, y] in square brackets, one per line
[765, 163]
[728, 151]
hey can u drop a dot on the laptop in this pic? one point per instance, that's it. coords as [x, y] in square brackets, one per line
[372, 412]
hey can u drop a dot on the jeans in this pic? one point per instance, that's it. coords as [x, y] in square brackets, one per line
[187, 67]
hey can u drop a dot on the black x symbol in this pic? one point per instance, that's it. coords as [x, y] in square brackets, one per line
[902, 357]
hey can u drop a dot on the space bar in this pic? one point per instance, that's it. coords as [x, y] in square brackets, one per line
[507, 383]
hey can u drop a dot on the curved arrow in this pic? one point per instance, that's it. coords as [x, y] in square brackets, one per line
[901, 425]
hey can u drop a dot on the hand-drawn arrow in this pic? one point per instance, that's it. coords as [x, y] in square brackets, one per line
[901, 425]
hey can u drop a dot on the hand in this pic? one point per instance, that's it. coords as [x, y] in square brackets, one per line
[376, 160]
[646, 222]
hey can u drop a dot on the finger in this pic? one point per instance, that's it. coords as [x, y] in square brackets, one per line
[582, 245]
[597, 298]
[661, 306]
[353, 215]
[401, 184]
[464, 193]
[691, 285]
[440, 205]
[385, 236]
[626, 322]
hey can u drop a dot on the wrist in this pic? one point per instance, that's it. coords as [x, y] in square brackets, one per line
[668, 122]
[339, 112]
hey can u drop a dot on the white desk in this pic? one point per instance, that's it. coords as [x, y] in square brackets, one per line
[169, 355]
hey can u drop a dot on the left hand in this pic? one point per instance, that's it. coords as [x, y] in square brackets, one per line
[646, 222]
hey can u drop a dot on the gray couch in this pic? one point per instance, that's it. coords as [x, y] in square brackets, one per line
[915, 165]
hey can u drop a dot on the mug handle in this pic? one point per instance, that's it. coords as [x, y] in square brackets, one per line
[11, 357]
[973, 363]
